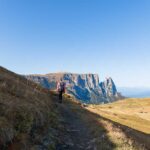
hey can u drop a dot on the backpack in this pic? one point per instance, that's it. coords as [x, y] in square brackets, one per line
[62, 86]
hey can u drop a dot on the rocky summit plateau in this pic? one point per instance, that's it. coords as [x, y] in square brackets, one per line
[85, 87]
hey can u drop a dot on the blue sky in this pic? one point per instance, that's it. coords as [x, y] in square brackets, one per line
[108, 37]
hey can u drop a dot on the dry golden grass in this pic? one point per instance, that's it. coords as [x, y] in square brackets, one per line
[24, 107]
[134, 113]
[107, 135]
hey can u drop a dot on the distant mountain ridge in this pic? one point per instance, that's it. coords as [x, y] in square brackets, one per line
[84, 87]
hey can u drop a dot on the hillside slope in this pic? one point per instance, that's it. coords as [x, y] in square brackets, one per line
[92, 131]
[27, 115]
[131, 114]
[134, 113]
[32, 119]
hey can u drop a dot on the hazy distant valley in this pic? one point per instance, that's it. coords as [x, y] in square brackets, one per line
[135, 92]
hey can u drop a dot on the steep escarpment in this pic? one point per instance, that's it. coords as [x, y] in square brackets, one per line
[84, 87]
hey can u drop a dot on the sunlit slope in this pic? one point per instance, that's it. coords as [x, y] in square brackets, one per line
[134, 113]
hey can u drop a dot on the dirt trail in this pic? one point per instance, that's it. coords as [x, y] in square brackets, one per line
[78, 136]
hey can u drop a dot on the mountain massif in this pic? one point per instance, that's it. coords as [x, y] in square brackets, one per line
[85, 87]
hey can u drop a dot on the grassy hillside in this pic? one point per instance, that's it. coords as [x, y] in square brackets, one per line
[26, 112]
[31, 118]
[134, 113]
[104, 133]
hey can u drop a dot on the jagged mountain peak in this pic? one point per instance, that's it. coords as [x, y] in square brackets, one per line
[84, 87]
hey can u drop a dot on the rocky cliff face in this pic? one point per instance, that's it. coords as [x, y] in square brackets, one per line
[84, 87]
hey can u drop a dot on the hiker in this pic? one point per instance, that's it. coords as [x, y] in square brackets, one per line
[61, 89]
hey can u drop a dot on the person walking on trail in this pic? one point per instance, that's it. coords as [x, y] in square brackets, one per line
[61, 86]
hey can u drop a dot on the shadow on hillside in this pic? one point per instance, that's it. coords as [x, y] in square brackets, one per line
[99, 138]
[140, 139]
[89, 133]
